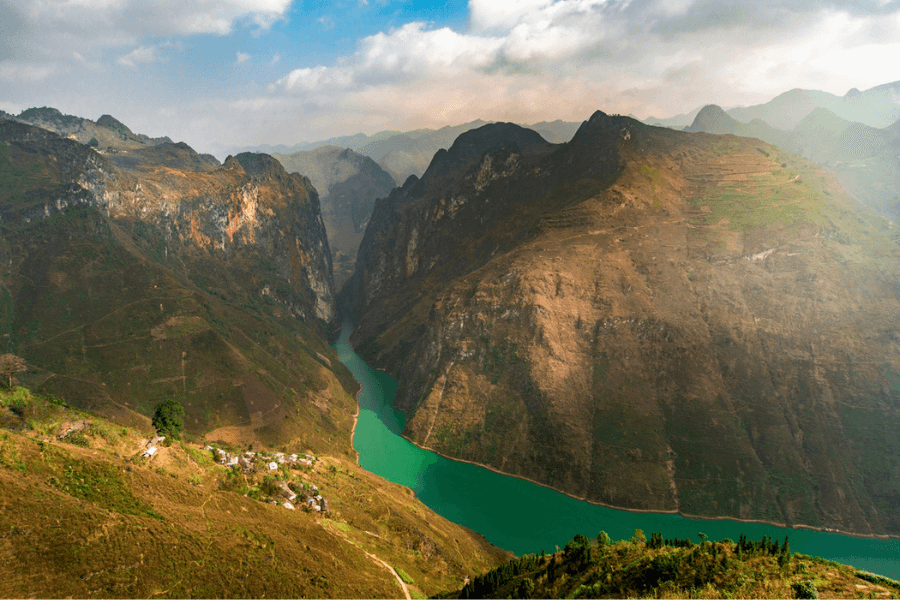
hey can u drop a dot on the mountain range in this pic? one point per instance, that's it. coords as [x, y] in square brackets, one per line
[700, 321]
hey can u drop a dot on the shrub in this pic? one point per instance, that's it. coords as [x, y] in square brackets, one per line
[805, 589]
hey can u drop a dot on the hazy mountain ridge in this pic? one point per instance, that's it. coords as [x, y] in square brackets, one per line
[348, 185]
[409, 153]
[876, 107]
[535, 327]
[168, 278]
[109, 132]
[864, 158]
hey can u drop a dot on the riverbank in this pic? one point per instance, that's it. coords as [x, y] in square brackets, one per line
[652, 511]
[526, 516]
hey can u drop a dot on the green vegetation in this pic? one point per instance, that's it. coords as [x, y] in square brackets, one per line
[675, 568]
[168, 419]
[404, 575]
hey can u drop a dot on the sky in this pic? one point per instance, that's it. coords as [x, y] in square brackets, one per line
[219, 74]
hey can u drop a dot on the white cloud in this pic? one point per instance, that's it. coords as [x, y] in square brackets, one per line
[86, 26]
[241, 57]
[274, 60]
[535, 59]
[140, 55]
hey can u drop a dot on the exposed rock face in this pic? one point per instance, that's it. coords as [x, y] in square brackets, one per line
[156, 273]
[645, 318]
[349, 183]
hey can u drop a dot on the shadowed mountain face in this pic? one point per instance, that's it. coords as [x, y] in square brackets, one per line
[154, 273]
[348, 183]
[645, 318]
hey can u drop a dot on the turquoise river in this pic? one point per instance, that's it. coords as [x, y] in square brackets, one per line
[525, 517]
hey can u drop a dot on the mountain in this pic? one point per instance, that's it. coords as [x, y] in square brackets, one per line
[862, 157]
[107, 133]
[644, 318]
[676, 122]
[154, 273]
[348, 183]
[85, 511]
[408, 153]
[675, 568]
[712, 119]
[876, 107]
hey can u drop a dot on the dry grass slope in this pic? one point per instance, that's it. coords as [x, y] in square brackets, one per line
[86, 516]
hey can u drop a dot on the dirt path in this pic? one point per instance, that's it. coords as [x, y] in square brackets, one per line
[374, 558]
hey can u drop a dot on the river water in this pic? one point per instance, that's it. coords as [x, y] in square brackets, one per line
[524, 517]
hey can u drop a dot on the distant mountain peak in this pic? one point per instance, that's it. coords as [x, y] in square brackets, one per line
[713, 119]
[113, 123]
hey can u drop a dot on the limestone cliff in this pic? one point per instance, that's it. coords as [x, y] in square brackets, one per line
[155, 273]
[645, 318]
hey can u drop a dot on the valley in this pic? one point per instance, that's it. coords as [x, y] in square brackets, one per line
[628, 326]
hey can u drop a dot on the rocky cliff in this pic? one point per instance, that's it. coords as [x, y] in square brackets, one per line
[644, 318]
[348, 183]
[156, 273]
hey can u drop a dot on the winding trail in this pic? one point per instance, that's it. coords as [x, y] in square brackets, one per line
[374, 558]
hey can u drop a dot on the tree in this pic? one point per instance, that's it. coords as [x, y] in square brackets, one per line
[639, 538]
[10, 364]
[93, 143]
[169, 418]
[603, 540]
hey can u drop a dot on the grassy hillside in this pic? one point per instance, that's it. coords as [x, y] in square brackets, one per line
[664, 568]
[83, 514]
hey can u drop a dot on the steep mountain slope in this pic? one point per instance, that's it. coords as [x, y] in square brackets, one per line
[109, 133]
[84, 514]
[154, 274]
[876, 107]
[645, 318]
[348, 185]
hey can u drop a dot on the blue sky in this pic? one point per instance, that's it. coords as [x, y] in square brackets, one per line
[224, 73]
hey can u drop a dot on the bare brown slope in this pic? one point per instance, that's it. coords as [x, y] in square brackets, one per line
[649, 319]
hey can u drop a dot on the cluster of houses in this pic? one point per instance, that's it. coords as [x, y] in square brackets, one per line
[250, 462]
[291, 495]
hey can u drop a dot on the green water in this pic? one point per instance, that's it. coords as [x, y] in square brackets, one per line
[524, 517]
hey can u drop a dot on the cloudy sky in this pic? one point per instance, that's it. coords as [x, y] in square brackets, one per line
[224, 73]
